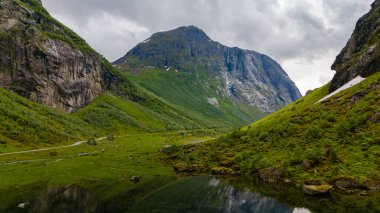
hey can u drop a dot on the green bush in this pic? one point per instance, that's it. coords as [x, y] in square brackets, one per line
[331, 118]
[91, 142]
[314, 132]
[171, 149]
[315, 156]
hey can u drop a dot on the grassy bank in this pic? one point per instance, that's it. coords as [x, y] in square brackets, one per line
[339, 137]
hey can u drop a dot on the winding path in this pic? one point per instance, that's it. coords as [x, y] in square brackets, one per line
[50, 148]
[81, 142]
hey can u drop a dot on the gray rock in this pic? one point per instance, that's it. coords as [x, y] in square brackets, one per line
[361, 56]
[46, 69]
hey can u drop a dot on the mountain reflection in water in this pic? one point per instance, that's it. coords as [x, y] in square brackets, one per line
[194, 194]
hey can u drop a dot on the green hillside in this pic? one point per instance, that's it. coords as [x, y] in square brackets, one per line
[123, 109]
[190, 92]
[24, 123]
[338, 137]
[110, 113]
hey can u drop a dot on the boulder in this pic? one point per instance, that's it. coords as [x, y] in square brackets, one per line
[186, 168]
[313, 182]
[317, 189]
[346, 183]
[135, 179]
[222, 171]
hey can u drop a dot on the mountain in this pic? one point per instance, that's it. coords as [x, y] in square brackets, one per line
[236, 75]
[57, 89]
[44, 61]
[329, 139]
[361, 56]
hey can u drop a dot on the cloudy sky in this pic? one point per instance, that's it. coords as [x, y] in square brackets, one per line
[304, 36]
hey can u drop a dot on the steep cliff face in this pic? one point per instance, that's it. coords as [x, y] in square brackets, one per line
[361, 56]
[242, 76]
[45, 62]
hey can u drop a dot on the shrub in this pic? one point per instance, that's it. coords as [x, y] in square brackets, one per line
[342, 129]
[333, 156]
[315, 156]
[314, 132]
[331, 118]
[91, 142]
[171, 149]
[264, 135]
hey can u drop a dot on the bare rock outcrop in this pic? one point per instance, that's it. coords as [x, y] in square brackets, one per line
[45, 62]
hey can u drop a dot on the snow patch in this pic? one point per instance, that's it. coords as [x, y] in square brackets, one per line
[213, 101]
[146, 41]
[168, 69]
[350, 84]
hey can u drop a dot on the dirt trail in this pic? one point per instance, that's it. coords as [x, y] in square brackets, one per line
[50, 148]
[81, 142]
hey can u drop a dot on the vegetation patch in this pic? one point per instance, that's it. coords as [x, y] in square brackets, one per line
[305, 140]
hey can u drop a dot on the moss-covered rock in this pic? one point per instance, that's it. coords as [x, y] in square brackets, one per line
[317, 189]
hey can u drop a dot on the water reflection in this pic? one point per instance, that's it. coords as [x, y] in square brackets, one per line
[195, 194]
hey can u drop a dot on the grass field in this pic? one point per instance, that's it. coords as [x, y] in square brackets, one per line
[129, 155]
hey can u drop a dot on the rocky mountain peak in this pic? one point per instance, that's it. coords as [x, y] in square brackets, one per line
[244, 76]
[190, 33]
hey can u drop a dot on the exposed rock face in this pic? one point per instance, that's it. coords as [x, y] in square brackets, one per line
[242, 75]
[45, 62]
[361, 56]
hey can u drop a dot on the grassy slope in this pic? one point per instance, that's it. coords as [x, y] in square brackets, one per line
[110, 113]
[189, 92]
[27, 125]
[24, 123]
[338, 137]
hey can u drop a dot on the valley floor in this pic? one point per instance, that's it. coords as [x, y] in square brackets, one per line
[125, 156]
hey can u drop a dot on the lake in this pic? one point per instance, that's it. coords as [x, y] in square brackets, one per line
[167, 195]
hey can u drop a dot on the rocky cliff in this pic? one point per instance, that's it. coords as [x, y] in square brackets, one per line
[242, 75]
[361, 56]
[45, 62]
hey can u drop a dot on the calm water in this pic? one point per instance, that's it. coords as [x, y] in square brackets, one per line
[193, 194]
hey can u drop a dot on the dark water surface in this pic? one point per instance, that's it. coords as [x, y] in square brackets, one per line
[166, 195]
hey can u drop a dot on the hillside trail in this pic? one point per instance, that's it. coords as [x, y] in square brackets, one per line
[50, 148]
[81, 142]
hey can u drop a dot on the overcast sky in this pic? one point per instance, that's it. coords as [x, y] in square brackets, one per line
[304, 36]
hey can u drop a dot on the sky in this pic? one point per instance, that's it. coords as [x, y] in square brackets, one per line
[304, 36]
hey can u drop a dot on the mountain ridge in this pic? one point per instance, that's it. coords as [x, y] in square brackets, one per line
[243, 75]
